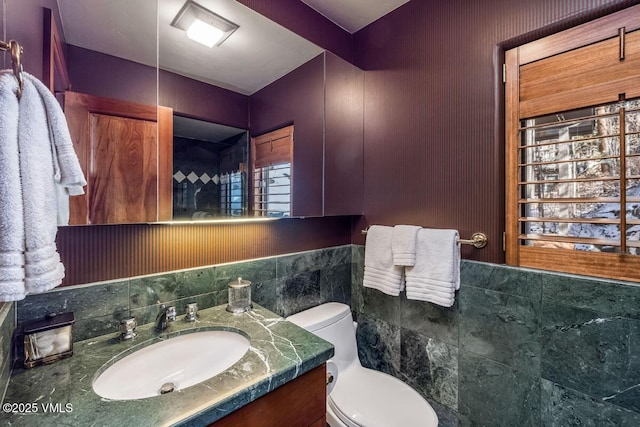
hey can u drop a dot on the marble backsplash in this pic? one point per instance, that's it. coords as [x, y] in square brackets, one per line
[283, 284]
[519, 347]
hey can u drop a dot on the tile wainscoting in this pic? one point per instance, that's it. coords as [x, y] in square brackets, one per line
[520, 347]
[7, 326]
[283, 284]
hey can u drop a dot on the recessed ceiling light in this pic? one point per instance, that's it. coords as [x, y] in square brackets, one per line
[203, 25]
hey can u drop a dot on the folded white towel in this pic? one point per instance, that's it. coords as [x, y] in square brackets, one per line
[436, 275]
[430, 297]
[403, 244]
[379, 271]
[417, 287]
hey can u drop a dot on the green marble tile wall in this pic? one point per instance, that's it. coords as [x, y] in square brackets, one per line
[7, 326]
[519, 347]
[284, 284]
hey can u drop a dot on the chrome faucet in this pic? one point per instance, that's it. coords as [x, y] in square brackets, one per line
[165, 316]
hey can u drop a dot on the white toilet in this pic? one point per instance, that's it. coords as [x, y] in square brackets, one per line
[362, 397]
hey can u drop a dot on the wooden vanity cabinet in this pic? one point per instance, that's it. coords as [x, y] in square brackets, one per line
[299, 403]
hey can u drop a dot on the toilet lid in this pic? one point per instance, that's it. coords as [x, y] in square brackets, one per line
[367, 398]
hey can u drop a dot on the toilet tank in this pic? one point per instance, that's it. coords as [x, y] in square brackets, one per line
[332, 322]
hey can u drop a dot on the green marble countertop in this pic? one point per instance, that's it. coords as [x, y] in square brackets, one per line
[61, 393]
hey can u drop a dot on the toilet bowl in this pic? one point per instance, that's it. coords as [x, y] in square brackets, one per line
[362, 397]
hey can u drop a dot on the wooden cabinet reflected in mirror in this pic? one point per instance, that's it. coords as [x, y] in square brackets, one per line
[119, 150]
[144, 164]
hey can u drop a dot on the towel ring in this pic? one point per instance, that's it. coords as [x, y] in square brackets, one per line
[16, 51]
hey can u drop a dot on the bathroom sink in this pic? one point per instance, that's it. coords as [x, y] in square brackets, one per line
[173, 364]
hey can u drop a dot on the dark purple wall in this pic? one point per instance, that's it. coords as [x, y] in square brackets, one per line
[24, 23]
[298, 99]
[104, 75]
[301, 19]
[434, 151]
[98, 74]
[203, 101]
[343, 145]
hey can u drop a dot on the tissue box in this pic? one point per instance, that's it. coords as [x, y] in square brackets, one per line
[49, 339]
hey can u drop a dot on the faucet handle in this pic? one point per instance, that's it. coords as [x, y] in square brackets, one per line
[128, 328]
[171, 313]
[192, 312]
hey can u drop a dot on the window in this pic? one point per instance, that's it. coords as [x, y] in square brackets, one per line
[573, 150]
[272, 171]
[232, 193]
[572, 172]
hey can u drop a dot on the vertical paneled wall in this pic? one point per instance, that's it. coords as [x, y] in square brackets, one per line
[95, 253]
[433, 135]
[343, 139]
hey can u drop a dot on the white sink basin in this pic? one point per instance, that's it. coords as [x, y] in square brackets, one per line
[173, 364]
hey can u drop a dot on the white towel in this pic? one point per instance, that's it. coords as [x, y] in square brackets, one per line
[403, 244]
[11, 217]
[39, 170]
[67, 172]
[379, 271]
[436, 275]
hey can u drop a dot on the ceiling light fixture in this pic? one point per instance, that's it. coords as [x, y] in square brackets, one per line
[203, 25]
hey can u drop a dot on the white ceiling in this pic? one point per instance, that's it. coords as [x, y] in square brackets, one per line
[353, 15]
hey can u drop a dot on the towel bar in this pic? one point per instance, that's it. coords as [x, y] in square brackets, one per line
[478, 240]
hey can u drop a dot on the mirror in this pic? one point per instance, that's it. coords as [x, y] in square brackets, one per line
[112, 54]
[209, 170]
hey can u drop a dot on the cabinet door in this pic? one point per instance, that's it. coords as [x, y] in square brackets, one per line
[122, 171]
[300, 402]
[116, 143]
[298, 99]
[344, 138]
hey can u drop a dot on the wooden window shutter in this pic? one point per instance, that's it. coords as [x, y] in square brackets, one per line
[577, 88]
